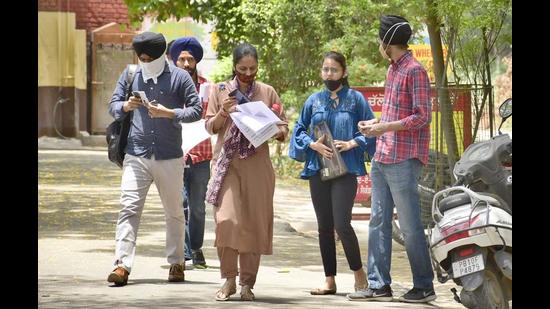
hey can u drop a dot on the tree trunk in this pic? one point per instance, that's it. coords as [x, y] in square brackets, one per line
[444, 102]
[488, 87]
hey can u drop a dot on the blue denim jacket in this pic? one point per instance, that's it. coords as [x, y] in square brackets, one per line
[159, 136]
[342, 122]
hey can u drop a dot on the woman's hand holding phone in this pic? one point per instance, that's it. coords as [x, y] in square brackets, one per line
[229, 104]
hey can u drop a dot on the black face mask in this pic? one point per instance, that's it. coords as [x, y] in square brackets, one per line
[333, 84]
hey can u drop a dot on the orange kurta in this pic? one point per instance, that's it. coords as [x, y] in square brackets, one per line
[244, 217]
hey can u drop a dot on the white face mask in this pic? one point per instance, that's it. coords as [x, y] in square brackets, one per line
[152, 69]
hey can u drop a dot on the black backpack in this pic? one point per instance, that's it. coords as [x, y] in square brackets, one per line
[117, 131]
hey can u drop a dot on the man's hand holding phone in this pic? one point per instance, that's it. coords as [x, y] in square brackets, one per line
[132, 103]
[159, 111]
[144, 101]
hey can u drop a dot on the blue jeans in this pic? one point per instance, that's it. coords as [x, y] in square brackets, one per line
[195, 182]
[397, 184]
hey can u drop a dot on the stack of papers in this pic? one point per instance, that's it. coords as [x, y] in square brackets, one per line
[192, 133]
[256, 121]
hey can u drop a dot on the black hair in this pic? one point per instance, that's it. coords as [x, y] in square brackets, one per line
[341, 59]
[400, 46]
[242, 50]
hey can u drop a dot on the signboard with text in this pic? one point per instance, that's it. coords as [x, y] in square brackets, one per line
[423, 53]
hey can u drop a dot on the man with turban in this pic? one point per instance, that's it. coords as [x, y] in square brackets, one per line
[153, 152]
[186, 52]
[402, 148]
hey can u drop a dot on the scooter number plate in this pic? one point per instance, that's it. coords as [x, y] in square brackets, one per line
[467, 266]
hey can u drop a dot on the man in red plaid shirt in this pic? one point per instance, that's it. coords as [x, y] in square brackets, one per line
[402, 145]
[186, 52]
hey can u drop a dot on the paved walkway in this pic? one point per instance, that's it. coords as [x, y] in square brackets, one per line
[78, 205]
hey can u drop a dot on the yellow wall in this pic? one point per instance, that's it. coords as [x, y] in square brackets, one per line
[61, 51]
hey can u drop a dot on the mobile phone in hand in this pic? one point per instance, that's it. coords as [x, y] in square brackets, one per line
[141, 95]
[241, 98]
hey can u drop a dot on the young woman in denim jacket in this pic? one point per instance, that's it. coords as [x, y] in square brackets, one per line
[341, 108]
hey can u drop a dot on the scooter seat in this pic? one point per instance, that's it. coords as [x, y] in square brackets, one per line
[460, 199]
[453, 201]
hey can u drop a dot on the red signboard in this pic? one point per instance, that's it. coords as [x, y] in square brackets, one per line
[364, 188]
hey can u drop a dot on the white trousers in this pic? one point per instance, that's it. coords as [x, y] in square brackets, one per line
[137, 176]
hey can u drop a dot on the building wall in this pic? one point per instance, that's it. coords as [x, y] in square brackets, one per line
[90, 14]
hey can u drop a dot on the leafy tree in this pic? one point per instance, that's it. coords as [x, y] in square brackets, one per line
[291, 37]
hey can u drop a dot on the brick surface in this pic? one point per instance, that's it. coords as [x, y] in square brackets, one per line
[90, 14]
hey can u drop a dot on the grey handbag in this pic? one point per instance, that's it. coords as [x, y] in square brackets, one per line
[336, 166]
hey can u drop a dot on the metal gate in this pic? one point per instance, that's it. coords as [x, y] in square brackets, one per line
[111, 52]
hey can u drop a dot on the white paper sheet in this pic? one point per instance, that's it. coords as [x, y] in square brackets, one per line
[204, 90]
[192, 133]
[256, 121]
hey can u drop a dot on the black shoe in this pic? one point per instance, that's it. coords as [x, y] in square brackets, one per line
[198, 259]
[416, 295]
[382, 294]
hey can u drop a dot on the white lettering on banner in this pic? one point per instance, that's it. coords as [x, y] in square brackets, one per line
[377, 99]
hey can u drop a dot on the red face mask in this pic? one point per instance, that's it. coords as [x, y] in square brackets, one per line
[247, 79]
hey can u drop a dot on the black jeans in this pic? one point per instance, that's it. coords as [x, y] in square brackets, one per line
[333, 201]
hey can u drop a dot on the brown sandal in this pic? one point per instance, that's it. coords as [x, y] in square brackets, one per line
[246, 293]
[227, 290]
[320, 291]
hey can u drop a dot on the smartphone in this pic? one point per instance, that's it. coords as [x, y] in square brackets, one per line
[241, 98]
[141, 95]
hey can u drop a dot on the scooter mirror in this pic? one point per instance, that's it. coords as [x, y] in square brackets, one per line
[505, 109]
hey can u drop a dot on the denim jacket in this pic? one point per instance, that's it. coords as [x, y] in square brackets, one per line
[342, 122]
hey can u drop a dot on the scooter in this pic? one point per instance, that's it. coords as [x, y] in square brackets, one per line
[471, 238]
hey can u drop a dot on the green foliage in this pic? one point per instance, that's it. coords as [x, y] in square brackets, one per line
[294, 100]
[362, 72]
[222, 71]
[469, 26]
[286, 168]
[291, 36]
[163, 9]
[225, 14]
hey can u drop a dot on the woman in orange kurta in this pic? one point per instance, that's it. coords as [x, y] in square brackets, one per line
[243, 181]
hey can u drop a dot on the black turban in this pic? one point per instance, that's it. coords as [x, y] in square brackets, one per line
[393, 25]
[149, 43]
[189, 44]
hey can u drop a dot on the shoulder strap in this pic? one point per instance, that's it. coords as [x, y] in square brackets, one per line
[130, 78]
[131, 72]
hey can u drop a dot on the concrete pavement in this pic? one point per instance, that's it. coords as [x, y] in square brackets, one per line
[78, 205]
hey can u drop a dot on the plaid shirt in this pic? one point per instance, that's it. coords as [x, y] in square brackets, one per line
[406, 99]
[203, 150]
